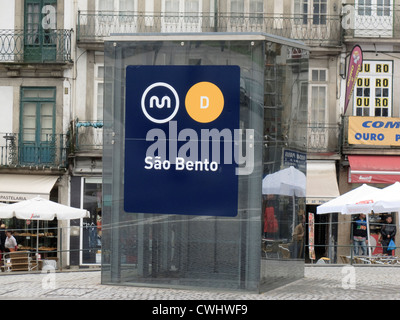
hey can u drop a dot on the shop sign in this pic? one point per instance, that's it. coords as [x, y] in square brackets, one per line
[377, 131]
[183, 153]
[355, 65]
[373, 89]
[295, 158]
[311, 225]
[14, 197]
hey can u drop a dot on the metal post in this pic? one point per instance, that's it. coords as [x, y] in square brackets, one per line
[352, 242]
[368, 235]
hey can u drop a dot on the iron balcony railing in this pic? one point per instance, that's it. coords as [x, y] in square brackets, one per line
[88, 135]
[323, 138]
[51, 151]
[366, 20]
[311, 28]
[316, 138]
[35, 46]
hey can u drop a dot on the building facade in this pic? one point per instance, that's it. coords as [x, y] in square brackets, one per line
[317, 23]
[370, 156]
[52, 87]
[36, 71]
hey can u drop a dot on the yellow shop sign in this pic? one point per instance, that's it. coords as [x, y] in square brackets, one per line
[379, 131]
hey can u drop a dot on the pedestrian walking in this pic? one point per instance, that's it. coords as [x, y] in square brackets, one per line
[388, 233]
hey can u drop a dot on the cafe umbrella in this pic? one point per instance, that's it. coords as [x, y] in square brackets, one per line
[41, 209]
[356, 201]
[286, 182]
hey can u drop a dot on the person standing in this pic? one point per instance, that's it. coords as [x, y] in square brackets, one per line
[10, 243]
[388, 233]
[360, 235]
[2, 239]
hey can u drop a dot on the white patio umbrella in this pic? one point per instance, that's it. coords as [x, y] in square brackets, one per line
[286, 182]
[41, 209]
[389, 199]
[358, 200]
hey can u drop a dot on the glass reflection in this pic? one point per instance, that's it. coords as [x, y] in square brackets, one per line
[203, 251]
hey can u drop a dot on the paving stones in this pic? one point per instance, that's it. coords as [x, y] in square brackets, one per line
[319, 283]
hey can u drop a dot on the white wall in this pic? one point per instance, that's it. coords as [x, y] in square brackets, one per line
[7, 14]
[81, 78]
[69, 15]
[6, 111]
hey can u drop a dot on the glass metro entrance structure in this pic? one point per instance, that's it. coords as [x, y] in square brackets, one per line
[254, 249]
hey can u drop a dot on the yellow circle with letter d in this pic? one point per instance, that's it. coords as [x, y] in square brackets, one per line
[204, 102]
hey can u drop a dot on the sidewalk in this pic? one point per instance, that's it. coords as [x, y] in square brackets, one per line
[320, 283]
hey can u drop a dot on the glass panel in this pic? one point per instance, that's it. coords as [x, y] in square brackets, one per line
[46, 121]
[126, 5]
[192, 7]
[33, 19]
[322, 75]
[237, 8]
[171, 11]
[314, 75]
[106, 5]
[39, 93]
[100, 93]
[319, 12]
[208, 251]
[100, 72]
[92, 228]
[29, 121]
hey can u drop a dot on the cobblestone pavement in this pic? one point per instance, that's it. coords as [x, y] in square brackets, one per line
[319, 283]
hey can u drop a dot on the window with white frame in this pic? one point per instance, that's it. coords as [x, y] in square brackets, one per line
[373, 89]
[373, 18]
[116, 5]
[117, 16]
[181, 15]
[246, 7]
[316, 10]
[318, 95]
[241, 10]
[318, 129]
[98, 91]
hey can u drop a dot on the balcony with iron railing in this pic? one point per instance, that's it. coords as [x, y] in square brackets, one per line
[47, 46]
[318, 30]
[88, 136]
[317, 139]
[50, 152]
[323, 138]
[378, 21]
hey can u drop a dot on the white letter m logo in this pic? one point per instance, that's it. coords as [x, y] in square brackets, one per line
[165, 100]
